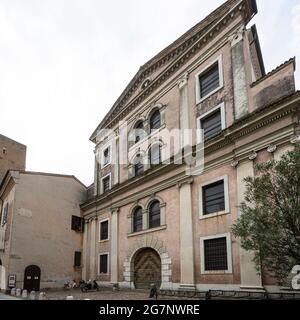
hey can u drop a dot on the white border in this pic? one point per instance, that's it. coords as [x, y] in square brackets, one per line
[229, 254]
[108, 145]
[221, 79]
[220, 106]
[101, 185]
[226, 198]
[99, 255]
[108, 236]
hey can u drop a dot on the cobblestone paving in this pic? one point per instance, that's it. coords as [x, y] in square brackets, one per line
[103, 295]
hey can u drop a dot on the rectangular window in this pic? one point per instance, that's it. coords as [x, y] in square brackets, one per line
[215, 254]
[104, 230]
[4, 215]
[103, 263]
[212, 124]
[213, 197]
[77, 259]
[106, 184]
[106, 156]
[77, 224]
[209, 80]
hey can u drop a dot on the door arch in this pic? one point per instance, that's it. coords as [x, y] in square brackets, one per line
[32, 278]
[147, 268]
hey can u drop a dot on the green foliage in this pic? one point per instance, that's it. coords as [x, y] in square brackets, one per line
[270, 216]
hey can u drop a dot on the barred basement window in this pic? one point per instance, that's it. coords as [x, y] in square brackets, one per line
[77, 259]
[154, 214]
[77, 224]
[138, 219]
[215, 254]
[104, 230]
[213, 198]
[209, 80]
[103, 263]
[212, 124]
[155, 121]
[106, 184]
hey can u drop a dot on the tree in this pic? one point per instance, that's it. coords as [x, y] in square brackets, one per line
[269, 223]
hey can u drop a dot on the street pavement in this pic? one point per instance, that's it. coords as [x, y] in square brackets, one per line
[7, 297]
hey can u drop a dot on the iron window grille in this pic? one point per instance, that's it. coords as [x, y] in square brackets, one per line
[209, 80]
[155, 121]
[104, 230]
[103, 263]
[213, 198]
[154, 214]
[215, 254]
[106, 184]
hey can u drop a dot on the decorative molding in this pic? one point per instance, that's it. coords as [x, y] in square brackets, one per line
[237, 36]
[272, 148]
[295, 139]
[235, 163]
[183, 81]
[252, 156]
[187, 181]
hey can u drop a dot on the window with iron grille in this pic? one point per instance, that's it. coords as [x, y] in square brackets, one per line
[104, 230]
[103, 263]
[209, 80]
[213, 197]
[138, 220]
[212, 124]
[155, 154]
[138, 167]
[106, 184]
[215, 254]
[77, 223]
[106, 156]
[77, 259]
[155, 120]
[154, 214]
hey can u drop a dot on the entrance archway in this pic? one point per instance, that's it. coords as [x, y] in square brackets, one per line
[32, 278]
[147, 268]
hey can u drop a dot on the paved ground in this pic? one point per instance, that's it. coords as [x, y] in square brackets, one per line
[7, 297]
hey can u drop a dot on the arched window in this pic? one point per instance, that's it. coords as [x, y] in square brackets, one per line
[155, 121]
[139, 166]
[155, 154]
[154, 214]
[139, 131]
[138, 219]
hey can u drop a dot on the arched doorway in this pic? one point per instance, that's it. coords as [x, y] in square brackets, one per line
[32, 278]
[147, 268]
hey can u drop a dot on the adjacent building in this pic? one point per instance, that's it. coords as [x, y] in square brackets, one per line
[153, 220]
[40, 229]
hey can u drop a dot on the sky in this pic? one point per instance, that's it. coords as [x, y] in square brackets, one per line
[63, 63]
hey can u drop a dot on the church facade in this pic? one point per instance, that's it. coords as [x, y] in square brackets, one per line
[151, 218]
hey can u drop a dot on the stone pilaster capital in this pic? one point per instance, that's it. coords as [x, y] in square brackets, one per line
[295, 139]
[237, 36]
[186, 181]
[235, 163]
[114, 210]
[272, 148]
[182, 82]
[252, 156]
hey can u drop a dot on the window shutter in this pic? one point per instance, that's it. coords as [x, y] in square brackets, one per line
[213, 198]
[215, 252]
[154, 214]
[212, 125]
[104, 230]
[155, 120]
[138, 220]
[106, 184]
[103, 263]
[77, 259]
[209, 80]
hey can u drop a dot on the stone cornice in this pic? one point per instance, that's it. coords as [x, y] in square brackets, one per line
[183, 52]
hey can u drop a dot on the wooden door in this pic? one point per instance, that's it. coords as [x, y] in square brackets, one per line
[147, 269]
[32, 278]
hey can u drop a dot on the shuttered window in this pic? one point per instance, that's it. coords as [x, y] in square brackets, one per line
[213, 198]
[77, 259]
[209, 80]
[212, 125]
[154, 214]
[77, 223]
[104, 230]
[103, 263]
[215, 254]
[155, 120]
[138, 220]
[106, 184]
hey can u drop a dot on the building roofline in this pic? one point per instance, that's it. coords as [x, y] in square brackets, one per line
[12, 140]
